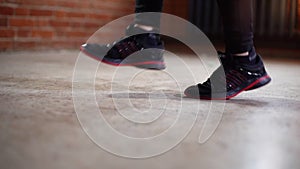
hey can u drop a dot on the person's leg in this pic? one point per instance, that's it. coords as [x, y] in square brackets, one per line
[243, 68]
[237, 16]
[148, 6]
[145, 21]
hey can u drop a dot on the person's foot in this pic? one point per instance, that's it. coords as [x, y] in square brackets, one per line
[122, 53]
[238, 77]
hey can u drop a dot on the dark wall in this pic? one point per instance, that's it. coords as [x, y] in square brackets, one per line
[274, 19]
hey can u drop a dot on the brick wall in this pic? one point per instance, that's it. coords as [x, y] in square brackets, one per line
[47, 24]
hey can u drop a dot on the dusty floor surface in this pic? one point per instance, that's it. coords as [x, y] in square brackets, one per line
[39, 126]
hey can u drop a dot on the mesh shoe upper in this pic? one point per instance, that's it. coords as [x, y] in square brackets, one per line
[230, 82]
[137, 39]
[131, 44]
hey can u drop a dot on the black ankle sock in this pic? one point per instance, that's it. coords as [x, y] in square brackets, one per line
[245, 60]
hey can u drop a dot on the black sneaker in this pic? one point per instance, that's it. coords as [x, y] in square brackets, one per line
[116, 54]
[238, 78]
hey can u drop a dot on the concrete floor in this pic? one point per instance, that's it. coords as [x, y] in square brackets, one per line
[39, 128]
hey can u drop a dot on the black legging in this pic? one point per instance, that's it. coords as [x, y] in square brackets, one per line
[237, 21]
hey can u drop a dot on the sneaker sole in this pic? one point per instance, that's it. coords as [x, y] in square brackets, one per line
[155, 65]
[256, 84]
[260, 83]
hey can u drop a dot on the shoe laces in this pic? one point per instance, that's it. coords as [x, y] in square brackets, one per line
[233, 77]
[131, 44]
[125, 47]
